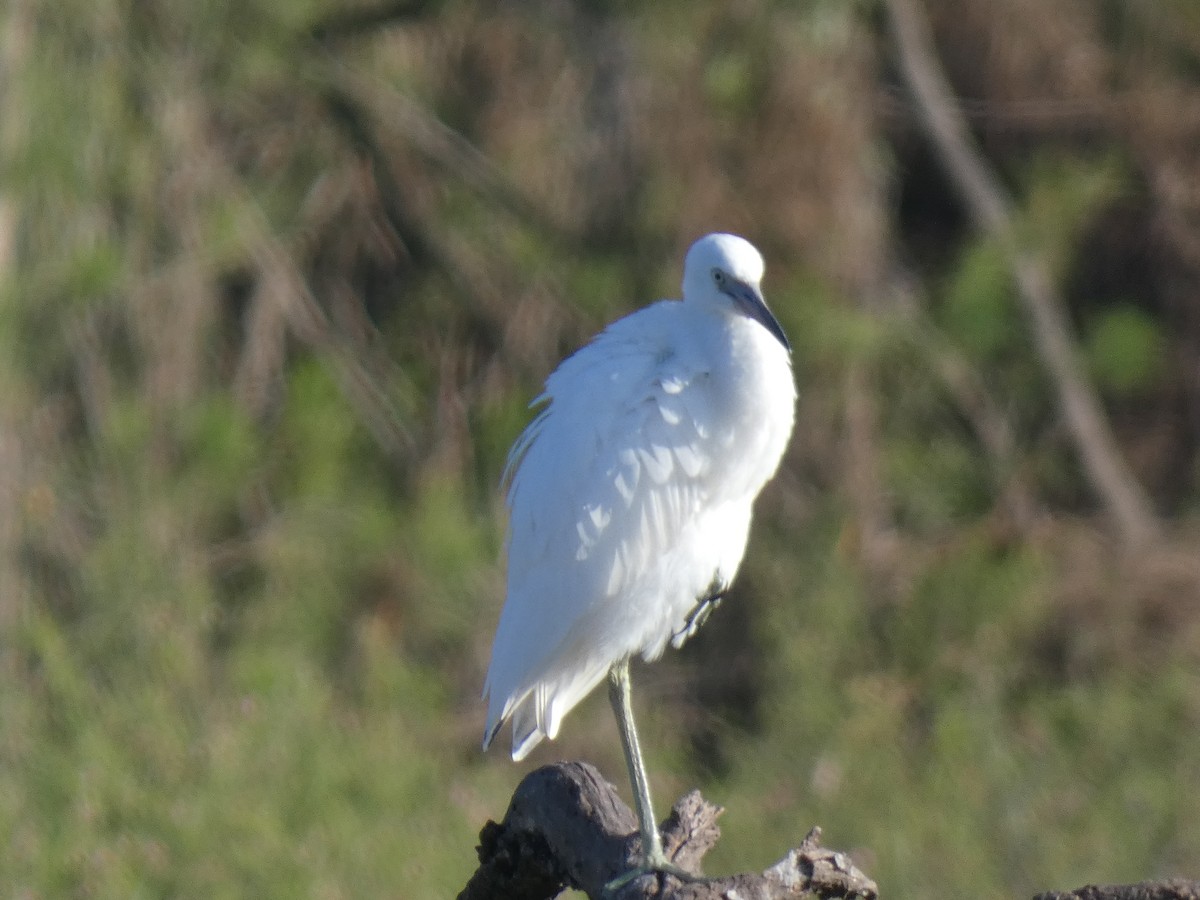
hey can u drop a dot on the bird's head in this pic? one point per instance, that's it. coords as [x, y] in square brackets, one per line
[726, 269]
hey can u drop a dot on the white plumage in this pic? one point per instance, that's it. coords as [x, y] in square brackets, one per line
[630, 493]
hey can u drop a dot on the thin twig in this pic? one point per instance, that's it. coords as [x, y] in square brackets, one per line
[348, 23]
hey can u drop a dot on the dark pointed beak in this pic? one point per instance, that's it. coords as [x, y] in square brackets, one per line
[750, 301]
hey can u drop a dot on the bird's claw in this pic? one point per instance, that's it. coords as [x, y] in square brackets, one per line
[652, 865]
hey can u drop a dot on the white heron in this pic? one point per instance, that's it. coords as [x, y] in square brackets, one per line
[630, 497]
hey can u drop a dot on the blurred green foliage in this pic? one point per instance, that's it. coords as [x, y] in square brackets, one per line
[268, 328]
[1126, 350]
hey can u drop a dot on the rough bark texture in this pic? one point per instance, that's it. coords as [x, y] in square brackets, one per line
[1145, 890]
[566, 826]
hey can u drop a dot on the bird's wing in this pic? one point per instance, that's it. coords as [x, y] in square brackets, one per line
[603, 484]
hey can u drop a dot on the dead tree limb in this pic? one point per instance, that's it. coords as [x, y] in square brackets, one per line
[566, 827]
[988, 204]
[1172, 889]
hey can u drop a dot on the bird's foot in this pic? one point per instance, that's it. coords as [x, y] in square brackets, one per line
[656, 863]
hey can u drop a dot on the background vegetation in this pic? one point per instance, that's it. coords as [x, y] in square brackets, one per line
[278, 279]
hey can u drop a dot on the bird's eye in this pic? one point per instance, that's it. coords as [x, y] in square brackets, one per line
[718, 277]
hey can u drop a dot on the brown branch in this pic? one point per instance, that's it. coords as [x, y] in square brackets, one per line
[566, 826]
[371, 107]
[355, 22]
[354, 364]
[988, 204]
[1147, 890]
[970, 394]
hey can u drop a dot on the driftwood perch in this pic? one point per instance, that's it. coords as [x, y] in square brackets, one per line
[1173, 889]
[566, 827]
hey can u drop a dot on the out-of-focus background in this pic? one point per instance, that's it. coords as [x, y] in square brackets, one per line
[278, 280]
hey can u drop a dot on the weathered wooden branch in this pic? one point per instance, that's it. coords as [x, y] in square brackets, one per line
[566, 827]
[988, 204]
[1173, 889]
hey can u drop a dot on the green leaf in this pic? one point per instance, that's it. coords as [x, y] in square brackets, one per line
[979, 310]
[1125, 350]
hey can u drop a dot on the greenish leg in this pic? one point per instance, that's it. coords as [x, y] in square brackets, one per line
[653, 858]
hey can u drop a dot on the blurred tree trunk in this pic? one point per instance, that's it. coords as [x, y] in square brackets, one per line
[991, 210]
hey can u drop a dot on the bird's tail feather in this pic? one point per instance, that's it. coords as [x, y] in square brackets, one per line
[539, 712]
